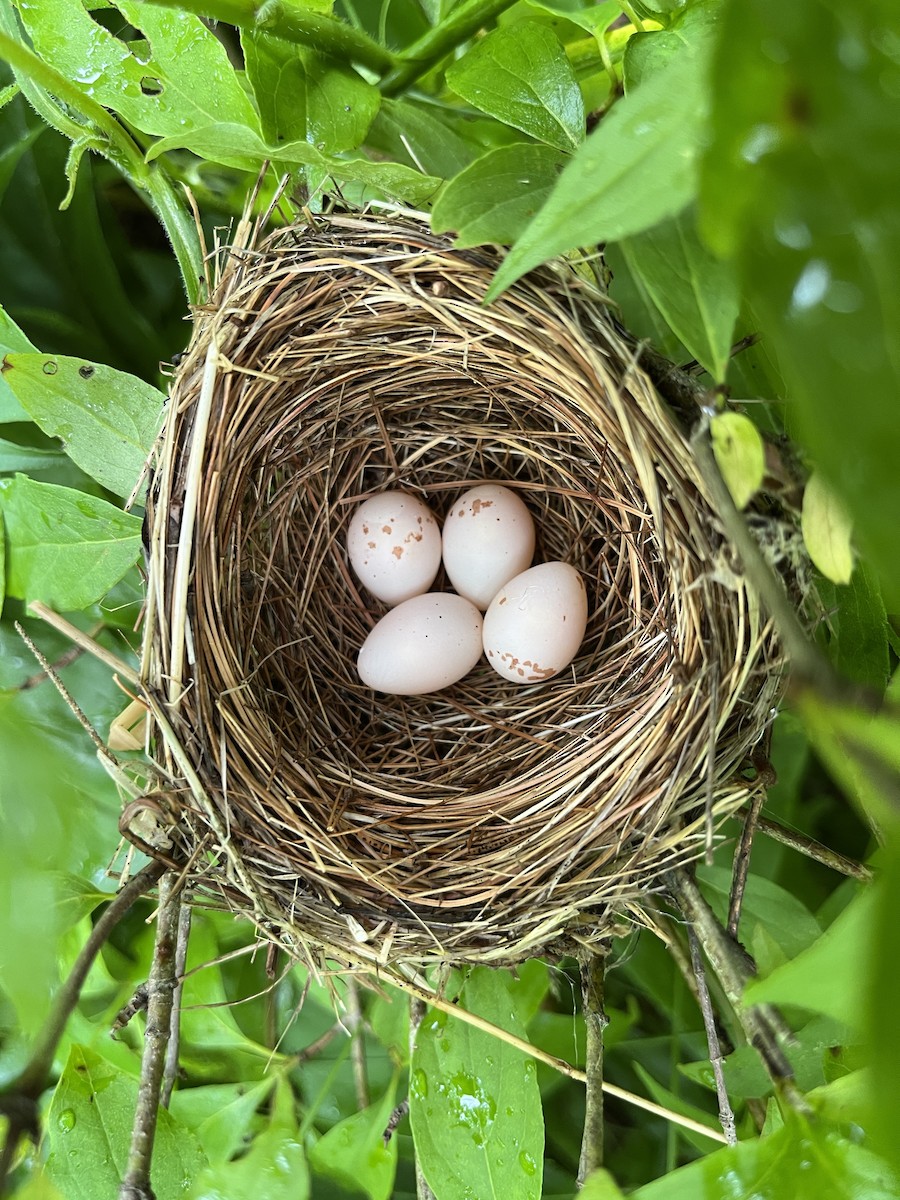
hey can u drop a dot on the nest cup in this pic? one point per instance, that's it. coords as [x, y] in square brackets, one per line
[488, 822]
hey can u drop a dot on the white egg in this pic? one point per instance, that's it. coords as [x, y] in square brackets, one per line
[488, 538]
[394, 544]
[536, 623]
[422, 645]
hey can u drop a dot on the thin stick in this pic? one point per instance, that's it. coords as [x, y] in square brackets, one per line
[33, 1079]
[416, 1017]
[726, 1115]
[811, 848]
[170, 1073]
[63, 691]
[85, 641]
[741, 867]
[161, 986]
[358, 1047]
[593, 967]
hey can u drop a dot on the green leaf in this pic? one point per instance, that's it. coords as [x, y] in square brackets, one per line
[89, 1132]
[108, 420]
[409, 129]
[28, 459]
[304, 96]
[389, 1019]
[600, 1185]
[243, 149]
[861, 647]
[274, 1167]
[798, 1162]
[827, 530]
[739, 453]
[520, 74]
[474, 1102]
[635, 169]
[220, 1114]
[782, 914]
[829, 976]
[494, 199]
[797, 185]
[186, 81]
[66, 548]
[594, 18]
[353, 1151]
[882, 996]
[695, 293]
[11, 338]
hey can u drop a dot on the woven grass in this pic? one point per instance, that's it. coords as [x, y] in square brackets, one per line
[488, 822]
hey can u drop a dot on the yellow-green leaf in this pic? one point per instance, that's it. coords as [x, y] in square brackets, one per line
[740, 454]
[826, 531]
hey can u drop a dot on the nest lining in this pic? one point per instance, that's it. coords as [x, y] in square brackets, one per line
[489, 821]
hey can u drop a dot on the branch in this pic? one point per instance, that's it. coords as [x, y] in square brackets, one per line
[726, 1115]
[741, 866]
[465, 20]
[21, 1096]
[811, 848]
[181, 948]
[593, 966]
[762, 1024]
[160, 990]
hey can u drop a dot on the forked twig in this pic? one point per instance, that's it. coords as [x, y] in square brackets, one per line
[161, 987]
[741, 868]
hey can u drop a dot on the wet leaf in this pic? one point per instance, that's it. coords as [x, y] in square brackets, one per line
[107, 420]
[739, 453]
[827, 530]
[220, 1114]
[474, 1102]
[65, 548]
[89, 1132]
[11, 338]
[184, 81]
[520, 74]
[494, 199]
[305, 96]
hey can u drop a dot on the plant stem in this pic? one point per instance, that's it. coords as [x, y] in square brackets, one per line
[811, 848]
[295, 23]
[25, 1091]
[465, 20]
[161, 986]
[181, 948]
[741, 868]
[726, 1115]
[593, 966]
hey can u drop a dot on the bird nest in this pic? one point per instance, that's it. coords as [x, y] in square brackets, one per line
[490, 821]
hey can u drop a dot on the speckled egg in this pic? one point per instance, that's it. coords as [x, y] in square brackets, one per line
[536, 623]
[394, 544]
[488, 538]
[422, 645]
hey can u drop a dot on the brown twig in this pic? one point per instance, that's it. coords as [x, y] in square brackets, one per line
[65, 660]
[170, 1073]
[811, 848]
[741, 867]
[726, 1114]
[161, 986]
[762, 1025]
[394, 1120]
[20, 1099]
[51, 674]
[593, 967]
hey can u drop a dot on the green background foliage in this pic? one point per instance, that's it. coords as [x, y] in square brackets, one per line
[735, 159]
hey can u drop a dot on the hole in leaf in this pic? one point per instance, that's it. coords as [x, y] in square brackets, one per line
[50, 367]
[86, 371]
[151, 86]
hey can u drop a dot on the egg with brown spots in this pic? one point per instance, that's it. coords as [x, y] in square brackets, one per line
[536, 623]
[488, 538]
[394, 546]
